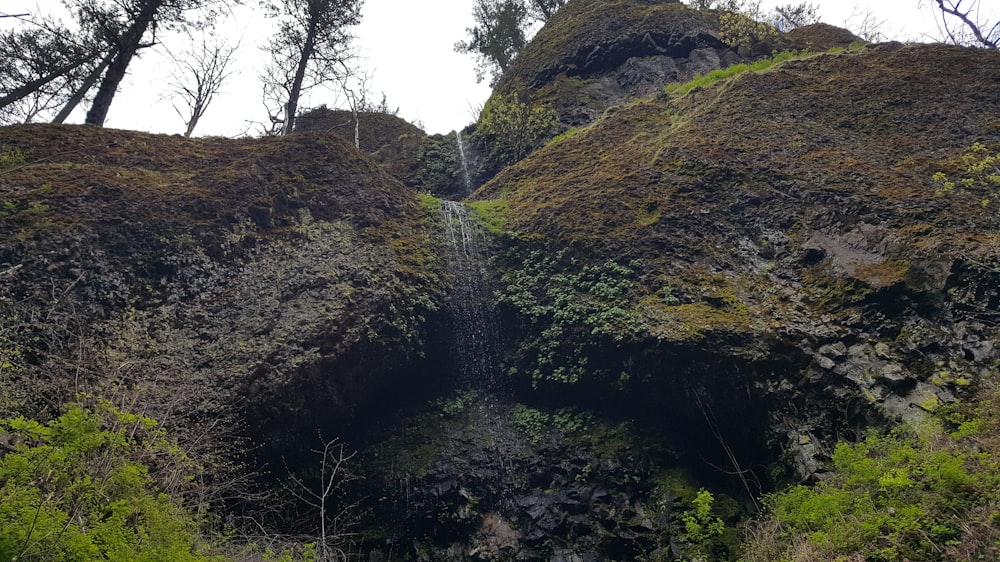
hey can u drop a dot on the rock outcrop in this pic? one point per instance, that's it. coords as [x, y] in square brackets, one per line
[784, 243]
[272, 283]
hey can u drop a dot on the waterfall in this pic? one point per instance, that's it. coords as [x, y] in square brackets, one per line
[465, 163]
[476, 326]
[475, 345]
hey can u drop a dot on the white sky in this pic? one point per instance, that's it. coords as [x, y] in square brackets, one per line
[408, 46]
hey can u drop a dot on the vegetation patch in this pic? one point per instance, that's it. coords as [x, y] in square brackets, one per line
[492, 214]
[913, 494]
[568, 309]
[95, 484]
[731, 71]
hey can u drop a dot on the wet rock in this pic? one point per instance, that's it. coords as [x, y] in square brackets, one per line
[896, 378]
[833, 350]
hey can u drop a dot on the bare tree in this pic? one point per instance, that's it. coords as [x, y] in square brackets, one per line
[310, 49]
[198, 77]
[326, 498]
[866, 25]
[965, 25]
[790, 16]
[132, 25]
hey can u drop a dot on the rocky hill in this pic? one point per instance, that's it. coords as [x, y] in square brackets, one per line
[706, 288]
[263, 282]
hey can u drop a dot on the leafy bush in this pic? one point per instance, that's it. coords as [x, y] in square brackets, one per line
[80, 487]
[509, 129]
[892, 497]
[567, 309]
[699, 523]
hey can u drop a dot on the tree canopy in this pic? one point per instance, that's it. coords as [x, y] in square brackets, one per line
[501, 31]
[310, 48]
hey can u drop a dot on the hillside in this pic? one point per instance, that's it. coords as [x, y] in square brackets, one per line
[247, 281]
[722, 316]
[784, 212]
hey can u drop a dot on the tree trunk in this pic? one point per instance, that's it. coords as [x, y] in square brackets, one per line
[85, 87]
[128, 44]
[300, 74]
[21, 92]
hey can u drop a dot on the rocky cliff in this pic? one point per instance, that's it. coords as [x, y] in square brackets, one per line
[265, 283]
[698, 286]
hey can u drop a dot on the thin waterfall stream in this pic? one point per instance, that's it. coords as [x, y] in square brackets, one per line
[476, 338]
[476, 326]
[464, 160]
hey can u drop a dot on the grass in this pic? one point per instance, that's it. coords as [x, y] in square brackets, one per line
[492, 214]
[721, 74]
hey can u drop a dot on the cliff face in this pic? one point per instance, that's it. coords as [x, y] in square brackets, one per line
[781, 243]
[595, 54]
[269, 283]
[697, 282]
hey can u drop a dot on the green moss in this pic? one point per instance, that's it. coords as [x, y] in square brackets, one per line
[492, 214]
[734, 70]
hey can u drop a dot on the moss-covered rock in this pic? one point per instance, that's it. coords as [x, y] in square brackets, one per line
[277, 283]
[766, 216]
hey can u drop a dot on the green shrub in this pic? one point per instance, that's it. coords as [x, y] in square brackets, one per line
[980, 175]
[891, 497]
[80, 488]
[510, 129]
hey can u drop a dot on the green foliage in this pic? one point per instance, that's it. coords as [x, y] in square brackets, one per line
[510, 129]
[567, 309]
[699, 523]
[80, 488]
[456, 404]
[980, 175]
[499, 35]
[745, 32]
[441, 167]
[893, 497]
[537, 424]
[429, 203]
[492, 214]
[734, 70]
[11, 158]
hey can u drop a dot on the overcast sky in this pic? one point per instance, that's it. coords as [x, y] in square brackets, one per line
[408, 46]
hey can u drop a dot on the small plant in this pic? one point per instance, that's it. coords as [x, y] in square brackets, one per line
[699, 524]
[456, 404]
[11, 158]
[980, 175]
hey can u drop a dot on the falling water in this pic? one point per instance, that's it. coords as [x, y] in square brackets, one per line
[476, 351]
[465, 163]
[476, 327]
